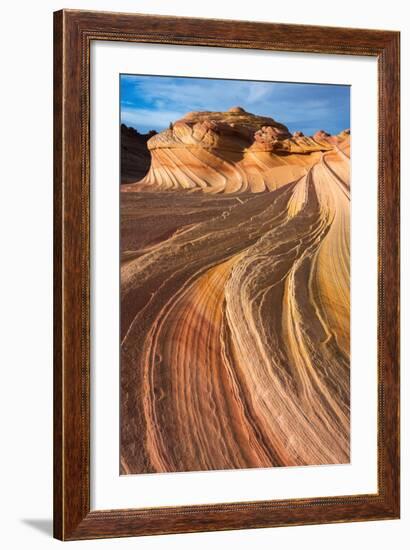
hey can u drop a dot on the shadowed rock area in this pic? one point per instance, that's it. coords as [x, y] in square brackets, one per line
[135, 157]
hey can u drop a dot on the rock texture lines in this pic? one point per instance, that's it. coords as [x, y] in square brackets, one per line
[235, 298]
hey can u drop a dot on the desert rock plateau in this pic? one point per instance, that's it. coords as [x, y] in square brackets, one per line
[235, 297]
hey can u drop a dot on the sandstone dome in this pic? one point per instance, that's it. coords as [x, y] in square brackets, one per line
[230, 151]
[236, 110]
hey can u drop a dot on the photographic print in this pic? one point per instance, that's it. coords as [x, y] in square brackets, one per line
[235, 274]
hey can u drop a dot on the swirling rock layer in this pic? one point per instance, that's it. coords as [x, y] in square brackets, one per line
[235, 316]
[230, 152]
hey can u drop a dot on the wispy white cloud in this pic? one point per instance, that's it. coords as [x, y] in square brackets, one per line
[259, 91]
[203, 94]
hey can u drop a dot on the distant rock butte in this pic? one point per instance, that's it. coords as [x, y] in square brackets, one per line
[232, 151]
[135, 156]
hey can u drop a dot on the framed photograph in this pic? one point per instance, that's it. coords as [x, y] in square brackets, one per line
[226, 288]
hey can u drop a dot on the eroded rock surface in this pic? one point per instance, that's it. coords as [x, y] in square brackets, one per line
[232, 151]
[235, 298]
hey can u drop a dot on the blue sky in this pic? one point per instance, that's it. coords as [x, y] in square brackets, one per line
[152, 102]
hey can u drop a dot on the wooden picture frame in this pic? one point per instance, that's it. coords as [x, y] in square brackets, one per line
[74, 32]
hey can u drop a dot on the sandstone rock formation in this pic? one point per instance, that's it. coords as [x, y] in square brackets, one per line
[235, 306]
[232, 151]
